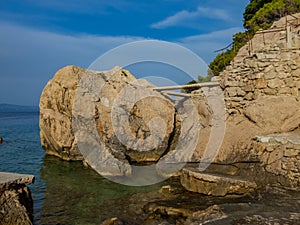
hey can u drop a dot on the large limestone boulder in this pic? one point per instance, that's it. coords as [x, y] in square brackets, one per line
[108, 118]
[56, 104]
[134, 119]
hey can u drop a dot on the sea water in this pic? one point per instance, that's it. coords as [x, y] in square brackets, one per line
[67, 193]
[63, 192]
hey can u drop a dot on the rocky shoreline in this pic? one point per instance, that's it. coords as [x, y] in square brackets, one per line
[15, 199]
[259, 155]
[174, 205]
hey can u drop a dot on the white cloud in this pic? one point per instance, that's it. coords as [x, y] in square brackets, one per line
[29, 58]
[213, 13]
[216, 35]
[85, 7]
[184, 17]
[43, 49]
[205, 44]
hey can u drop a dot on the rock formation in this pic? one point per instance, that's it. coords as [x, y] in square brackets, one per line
[208, 215]
[261, 93]
[116, 118]
[16, 204]
[261, 90]
[56, 104]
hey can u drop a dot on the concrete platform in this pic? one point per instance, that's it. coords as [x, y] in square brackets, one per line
[8, 179]
[16, 204]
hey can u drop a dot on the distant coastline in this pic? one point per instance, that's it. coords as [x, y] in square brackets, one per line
[7, 108]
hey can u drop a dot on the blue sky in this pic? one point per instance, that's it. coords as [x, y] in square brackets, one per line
[37, 37]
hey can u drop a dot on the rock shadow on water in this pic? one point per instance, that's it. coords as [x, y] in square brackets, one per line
[75, 194]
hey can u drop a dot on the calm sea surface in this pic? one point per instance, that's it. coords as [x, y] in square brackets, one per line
[63, 192]
[67, 193]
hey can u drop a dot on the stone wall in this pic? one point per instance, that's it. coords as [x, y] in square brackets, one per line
[280, 155]
[267, 66]
[261, 89]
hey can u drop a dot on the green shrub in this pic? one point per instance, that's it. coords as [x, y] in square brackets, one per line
[258, 14]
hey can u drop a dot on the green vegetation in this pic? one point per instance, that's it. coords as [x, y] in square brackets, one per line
[224, 58]
[258, 14]
[269, 12]
[250, 11]
[201, 79]
[190, 89]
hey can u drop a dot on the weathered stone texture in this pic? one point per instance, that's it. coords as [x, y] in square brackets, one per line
[280, 155]
[261, 90]
[215, 185]
[56, 104]
[210, 214]
[13, 211]
[266, 66]
[117, 119]
[16, 204]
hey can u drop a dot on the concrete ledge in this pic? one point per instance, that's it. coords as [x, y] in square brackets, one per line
[8, 179]
[16, 205]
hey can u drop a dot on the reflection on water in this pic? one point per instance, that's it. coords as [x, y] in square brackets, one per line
[73, 194]
[67, 193]
[77, 195]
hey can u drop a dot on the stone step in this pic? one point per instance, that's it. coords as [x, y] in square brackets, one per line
[215, 184]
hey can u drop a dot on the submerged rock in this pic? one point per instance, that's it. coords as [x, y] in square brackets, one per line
[210, 214]
[185, 207]
[215, 185]
[112, 221]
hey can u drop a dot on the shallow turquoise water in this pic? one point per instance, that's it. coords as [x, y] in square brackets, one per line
[63, 192]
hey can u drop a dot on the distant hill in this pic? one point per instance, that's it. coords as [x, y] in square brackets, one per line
[18, 108]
